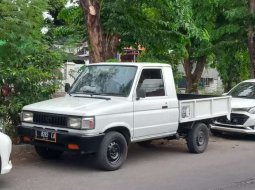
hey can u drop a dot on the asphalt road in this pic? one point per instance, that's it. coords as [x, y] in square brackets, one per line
[228, 164]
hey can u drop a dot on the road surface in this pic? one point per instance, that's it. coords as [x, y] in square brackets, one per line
[228, 164]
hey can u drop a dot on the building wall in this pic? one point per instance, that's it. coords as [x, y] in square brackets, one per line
[69, 71]
[210, 81]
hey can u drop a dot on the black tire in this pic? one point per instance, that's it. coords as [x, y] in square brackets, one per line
[198, 138]
[112, 152]
[145, 143]
[47, 153]
[216, 133]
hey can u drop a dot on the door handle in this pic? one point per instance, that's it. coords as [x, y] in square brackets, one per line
[164, 107]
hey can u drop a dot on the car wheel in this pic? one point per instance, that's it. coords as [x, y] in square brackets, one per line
[112, 152]
[198, 138]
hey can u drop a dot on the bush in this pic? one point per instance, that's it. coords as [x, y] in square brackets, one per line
[28, 66]
[34, 79]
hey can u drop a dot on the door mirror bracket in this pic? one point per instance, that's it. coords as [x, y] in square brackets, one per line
[140, 93]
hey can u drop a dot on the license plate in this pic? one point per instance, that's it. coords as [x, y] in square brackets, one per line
[46, 136]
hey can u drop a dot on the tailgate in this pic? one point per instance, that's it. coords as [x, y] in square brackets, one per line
[204, 108]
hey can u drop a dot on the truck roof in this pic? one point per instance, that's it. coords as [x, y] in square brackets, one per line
[138, 64]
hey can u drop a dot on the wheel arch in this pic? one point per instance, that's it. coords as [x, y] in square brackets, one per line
[185, 127]
[121, 129]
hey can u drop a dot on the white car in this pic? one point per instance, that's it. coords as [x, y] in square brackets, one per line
[5, 152]
[243, 110]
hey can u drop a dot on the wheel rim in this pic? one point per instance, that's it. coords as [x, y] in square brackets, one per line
[201, 138]
[114, 152]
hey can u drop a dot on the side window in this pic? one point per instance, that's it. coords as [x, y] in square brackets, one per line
[151, 82]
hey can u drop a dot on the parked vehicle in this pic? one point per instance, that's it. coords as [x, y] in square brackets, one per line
[113, 104]
[5, 152]
[242, 118]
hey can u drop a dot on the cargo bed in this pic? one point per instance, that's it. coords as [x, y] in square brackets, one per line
[198, 107]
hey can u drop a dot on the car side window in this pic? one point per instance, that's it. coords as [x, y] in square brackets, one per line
[151, 81]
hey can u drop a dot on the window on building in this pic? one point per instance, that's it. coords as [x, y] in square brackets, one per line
[206, 82]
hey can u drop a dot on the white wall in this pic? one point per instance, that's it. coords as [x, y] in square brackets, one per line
[69, 72]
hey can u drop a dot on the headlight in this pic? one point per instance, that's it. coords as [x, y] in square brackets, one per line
[74, 122]
[252, 110]
[81, 123]
[27, 116]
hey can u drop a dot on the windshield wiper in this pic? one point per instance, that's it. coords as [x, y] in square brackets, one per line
[91, 95]
[240, 96]
[95, 97]
[88, 92]
[111, 94]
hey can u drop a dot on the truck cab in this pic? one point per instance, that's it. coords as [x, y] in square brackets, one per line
[111, 105]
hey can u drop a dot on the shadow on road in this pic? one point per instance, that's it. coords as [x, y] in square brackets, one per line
[78, 162]
[236, 136]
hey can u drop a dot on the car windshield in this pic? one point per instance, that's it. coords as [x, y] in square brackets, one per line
[112, 80]
[243, 90]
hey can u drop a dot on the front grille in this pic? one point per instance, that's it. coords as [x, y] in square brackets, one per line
[50, 119]
[235, 119]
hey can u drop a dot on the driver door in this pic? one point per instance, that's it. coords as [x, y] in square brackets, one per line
[151, 114]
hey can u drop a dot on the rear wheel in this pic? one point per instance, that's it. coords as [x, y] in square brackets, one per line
[112, 152]
[198, 138]
[48, 153]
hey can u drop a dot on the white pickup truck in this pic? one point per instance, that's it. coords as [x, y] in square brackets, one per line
[113, 104]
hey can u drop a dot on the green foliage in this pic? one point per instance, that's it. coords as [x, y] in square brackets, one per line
[148, 23]
[230, 41]
[28, 68]
[67, 27]
[233, 66]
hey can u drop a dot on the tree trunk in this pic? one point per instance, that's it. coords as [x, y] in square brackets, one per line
[193, 78]
[251, 42]
[102, 46]
[227, 86]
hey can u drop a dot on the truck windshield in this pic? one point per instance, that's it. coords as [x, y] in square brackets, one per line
[112, 80]
[243, 90]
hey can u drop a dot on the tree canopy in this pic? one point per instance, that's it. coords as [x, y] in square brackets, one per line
[194, 33]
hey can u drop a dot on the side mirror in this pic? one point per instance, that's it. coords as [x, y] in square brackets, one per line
[140, 93]
[67, 87]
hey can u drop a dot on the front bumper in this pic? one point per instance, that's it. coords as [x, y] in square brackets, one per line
[240, 122]
[232, 129]
[7, 168]
[86, 144]
[5, 152]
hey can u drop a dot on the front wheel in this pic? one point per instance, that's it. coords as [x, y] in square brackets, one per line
[48, 153]
[112, 152]
[198, 138]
